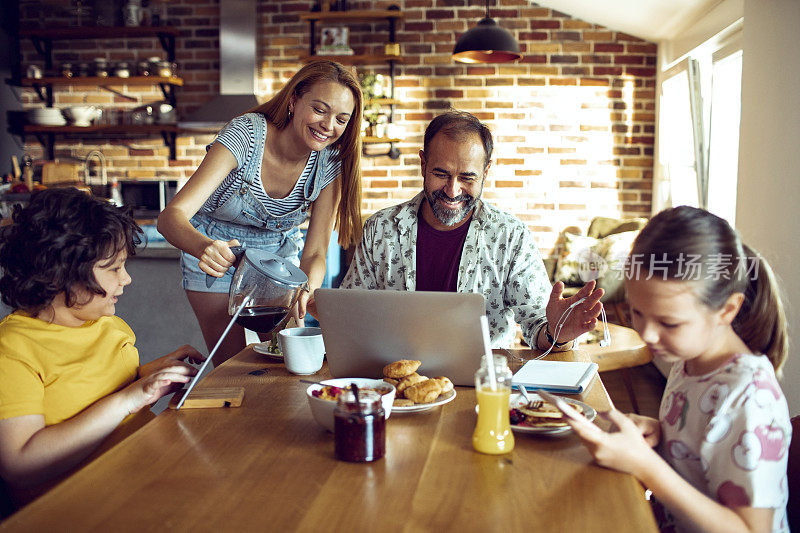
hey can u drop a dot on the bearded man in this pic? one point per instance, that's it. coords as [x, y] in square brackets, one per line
[447, 239]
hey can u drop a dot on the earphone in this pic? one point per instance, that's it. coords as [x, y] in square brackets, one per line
[606, 334]
[563, 319]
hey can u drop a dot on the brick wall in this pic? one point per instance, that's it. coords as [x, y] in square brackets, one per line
[573, 120]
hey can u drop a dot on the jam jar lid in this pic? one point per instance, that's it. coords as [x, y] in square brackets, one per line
[368, 401]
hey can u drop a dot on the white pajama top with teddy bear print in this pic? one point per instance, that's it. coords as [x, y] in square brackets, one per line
[727, 433]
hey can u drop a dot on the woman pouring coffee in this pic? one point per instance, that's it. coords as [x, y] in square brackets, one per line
[298, 153]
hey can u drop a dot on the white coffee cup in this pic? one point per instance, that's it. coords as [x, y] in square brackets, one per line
[302, 348]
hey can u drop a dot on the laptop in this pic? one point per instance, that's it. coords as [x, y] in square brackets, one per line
[364, 330]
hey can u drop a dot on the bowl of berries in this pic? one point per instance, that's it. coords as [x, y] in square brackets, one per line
[323, 396]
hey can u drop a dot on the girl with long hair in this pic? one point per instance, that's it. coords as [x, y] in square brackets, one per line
[297, 155]
[707, 303]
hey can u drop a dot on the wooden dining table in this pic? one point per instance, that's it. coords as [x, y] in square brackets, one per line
[268, 466]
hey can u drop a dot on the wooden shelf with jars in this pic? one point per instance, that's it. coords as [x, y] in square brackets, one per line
[43, 38]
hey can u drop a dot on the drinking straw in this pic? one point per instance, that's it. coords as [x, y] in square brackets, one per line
[487, 352]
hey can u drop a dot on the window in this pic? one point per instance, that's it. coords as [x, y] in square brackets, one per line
[723, 161]
[698, 131]
[676, 139]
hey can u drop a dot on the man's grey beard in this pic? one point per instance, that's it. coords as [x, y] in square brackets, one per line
[450, 217]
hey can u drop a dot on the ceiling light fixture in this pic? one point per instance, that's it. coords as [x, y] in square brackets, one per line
[486, 43]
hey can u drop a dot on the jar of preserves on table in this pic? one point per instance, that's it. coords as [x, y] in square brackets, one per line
[359, 427]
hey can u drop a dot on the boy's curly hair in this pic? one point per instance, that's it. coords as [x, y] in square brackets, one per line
[54, 243]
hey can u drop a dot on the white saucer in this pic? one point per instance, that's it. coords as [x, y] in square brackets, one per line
[263, 349]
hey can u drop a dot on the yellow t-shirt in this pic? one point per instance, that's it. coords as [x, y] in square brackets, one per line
[58, 371]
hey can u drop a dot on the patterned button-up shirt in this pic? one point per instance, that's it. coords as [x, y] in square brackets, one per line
[499, 260]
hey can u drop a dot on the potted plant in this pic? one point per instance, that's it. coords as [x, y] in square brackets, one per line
[372, 86]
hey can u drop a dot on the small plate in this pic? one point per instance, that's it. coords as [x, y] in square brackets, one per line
[441, 400]
[517, 400]
[263, 349]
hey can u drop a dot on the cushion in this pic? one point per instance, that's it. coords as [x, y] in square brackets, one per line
[572, 256]
[583, 259]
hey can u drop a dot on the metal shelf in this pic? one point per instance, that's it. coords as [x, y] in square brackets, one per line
[46, 134]
[43, 37]
[44, 86]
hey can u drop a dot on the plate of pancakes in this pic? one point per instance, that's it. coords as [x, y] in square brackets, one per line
[542, 418]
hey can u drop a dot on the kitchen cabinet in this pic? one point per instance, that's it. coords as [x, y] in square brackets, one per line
[43, 38]
[392, 16]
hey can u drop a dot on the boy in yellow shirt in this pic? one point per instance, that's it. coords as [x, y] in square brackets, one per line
[69, 371]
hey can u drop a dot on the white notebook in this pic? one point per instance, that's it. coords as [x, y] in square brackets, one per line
[568, 377]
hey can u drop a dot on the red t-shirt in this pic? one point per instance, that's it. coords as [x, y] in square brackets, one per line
[438, 256]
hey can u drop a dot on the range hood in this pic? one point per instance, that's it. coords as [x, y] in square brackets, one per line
[237, 67]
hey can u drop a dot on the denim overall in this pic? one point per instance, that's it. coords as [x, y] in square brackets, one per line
[244, 218]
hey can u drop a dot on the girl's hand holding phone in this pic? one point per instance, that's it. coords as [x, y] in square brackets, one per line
[625, 449]
[650, 427]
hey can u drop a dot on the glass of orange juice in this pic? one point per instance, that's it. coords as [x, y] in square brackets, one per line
[492, 433]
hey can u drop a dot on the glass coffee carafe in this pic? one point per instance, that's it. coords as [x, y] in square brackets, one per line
[273, 284]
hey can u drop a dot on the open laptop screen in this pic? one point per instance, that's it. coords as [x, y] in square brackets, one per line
[367, 329]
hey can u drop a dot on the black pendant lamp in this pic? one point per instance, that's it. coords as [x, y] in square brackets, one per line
[486, 43]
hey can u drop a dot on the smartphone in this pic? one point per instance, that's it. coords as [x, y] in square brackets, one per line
[562, 406]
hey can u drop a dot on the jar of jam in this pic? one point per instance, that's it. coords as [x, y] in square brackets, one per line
[359, 427]
[122, 70]
[165, 68]
[144, 68]
[101, 67]
[66, 70]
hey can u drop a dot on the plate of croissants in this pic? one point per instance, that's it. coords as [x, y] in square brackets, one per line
[416, 392]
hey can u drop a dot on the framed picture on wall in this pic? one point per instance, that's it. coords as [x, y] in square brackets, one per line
[333, 40]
